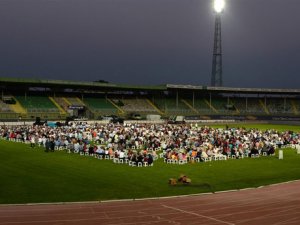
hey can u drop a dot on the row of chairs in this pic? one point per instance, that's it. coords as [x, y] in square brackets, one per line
[246, 155]
[149, 149]
[116, 160]
[212, 158]
[175, 161]
[194, 159]
[131, 163]
[60, 148]
[106, 157]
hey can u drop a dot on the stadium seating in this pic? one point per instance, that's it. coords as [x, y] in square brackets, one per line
[201, 106]
[170, 107]
[279, 106]
[137, 105]
[239, 104]
[94, 107]
[223, 105]
[295, 106]
[6, 113]
[216, 105]
[66, 102]
[219, 103]
[34, 106]
[37, 104]
[60, 101]
[100, 106]
[74, 101]
[4, 107]
[251, 105]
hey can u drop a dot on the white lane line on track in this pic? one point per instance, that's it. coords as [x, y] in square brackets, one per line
[199, 215]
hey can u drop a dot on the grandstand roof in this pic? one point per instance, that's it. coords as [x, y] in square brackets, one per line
[232, 89]
[23, 83]
[74, 84]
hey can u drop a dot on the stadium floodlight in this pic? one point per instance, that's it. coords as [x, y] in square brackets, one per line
[217, 70]
[219, 5]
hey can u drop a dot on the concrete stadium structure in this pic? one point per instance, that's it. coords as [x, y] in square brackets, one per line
[26, 99]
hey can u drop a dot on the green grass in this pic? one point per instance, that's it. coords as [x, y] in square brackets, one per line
[31, 175]
[279, 127]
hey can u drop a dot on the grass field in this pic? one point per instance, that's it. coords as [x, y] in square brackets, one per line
[278, 127]
[31, 175]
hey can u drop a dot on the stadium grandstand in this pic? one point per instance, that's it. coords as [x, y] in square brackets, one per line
[26, 99]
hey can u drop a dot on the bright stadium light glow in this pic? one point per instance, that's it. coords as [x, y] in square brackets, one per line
[219, 5]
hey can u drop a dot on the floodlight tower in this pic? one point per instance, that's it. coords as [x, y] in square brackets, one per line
[216, 76]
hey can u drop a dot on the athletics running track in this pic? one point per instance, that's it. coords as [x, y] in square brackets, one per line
[275, 204]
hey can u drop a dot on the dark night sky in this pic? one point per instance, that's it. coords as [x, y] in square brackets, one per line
[150, 41]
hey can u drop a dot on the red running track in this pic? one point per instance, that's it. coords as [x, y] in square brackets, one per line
[276, 204]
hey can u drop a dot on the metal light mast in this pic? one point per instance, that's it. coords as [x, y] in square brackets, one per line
[216, 76]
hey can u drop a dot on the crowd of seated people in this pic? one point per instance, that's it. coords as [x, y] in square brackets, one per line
[209, 152]
[107, 152]
[135, 158]
[178, 142]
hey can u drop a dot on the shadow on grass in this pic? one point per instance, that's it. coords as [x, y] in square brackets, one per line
[203, 187]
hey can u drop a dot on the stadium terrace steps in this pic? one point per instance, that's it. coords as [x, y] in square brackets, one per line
[224, 106]
[233, 110]
[297, 107]
[37, 104]
[264, 107]
[200, 105]
[75, 101]
[135, 105]
[219, 103]
[80, 101]
[17, 108]
[233, 102]
[294, 107]
[211, 106]
[154, 107]
[237, 111]
[239, 104]
[67, 101]
[217, 106]
[56, 107]
[171, 107]
[249, 105]
[61, 102]
[4, 107]
[120, 110]
[280, 106]
[62, 111]
[100, 106]
[6, 112]
[191, 107]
